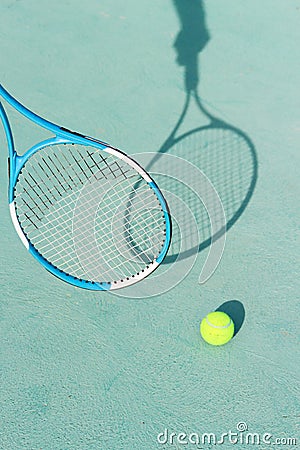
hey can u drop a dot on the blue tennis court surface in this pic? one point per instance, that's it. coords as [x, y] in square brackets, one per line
[205, 94]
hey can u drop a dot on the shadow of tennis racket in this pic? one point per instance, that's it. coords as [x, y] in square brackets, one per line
[223, 152]
[204, 172]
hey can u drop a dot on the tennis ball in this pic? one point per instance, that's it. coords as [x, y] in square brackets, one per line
[217, 328]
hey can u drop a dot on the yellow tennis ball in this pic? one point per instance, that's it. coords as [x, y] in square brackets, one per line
[217, 328]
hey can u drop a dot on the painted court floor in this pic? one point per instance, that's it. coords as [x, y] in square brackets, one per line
[205, 94]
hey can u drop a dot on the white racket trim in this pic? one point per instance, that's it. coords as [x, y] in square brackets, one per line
[13, 214]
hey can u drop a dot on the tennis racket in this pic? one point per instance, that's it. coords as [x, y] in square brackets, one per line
[68, 196]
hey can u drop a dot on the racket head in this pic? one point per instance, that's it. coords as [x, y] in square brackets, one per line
[68, 198]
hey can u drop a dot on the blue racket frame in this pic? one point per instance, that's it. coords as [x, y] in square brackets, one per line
[64, 136]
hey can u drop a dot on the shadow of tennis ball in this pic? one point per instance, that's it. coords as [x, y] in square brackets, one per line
[236, 311]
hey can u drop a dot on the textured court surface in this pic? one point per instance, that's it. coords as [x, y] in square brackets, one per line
[84, 370]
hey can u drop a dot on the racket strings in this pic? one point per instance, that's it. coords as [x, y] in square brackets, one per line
[57, 209]
[75, 205]
[52, 244]
[59, 257]
[108, 244]
[40, 180]
[106, 221]
[105, 208]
